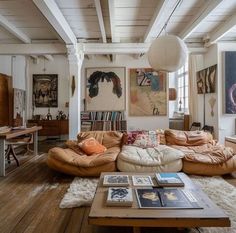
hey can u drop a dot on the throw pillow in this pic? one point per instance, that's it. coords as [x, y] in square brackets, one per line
[150, 139]
[130, 137]
[92, 146]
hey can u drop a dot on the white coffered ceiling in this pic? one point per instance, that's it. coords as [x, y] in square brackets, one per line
[198, 22]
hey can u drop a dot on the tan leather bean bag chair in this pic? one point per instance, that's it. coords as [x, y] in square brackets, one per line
[203, 156]
[74, 162]
[187, 138]
[196, 168]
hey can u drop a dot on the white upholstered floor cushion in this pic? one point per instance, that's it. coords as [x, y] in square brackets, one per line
[159, 159]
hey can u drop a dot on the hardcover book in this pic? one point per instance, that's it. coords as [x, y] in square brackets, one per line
[169, 179]
[166, 198]
[148, 198]
[119, 196]
[142, 180]
[116, 180]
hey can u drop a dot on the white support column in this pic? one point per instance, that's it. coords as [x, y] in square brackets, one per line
[75, 57]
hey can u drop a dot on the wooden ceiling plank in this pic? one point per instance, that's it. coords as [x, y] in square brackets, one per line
[222, 30]
[55, 17]
[14, 30]
[100, 20]
[111, 6]
[202, 14]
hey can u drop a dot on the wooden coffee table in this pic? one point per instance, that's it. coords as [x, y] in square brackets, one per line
[209, 216]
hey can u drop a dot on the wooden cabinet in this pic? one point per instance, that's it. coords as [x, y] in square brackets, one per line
[179, 123]
[52, 127]
[6, 100]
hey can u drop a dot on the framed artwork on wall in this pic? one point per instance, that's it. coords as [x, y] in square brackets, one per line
[147, 92]
[18, 107]
[45, 90]
[105, 89]
[230, 82]
[206, 80]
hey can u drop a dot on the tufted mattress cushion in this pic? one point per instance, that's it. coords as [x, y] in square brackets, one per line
[161, 158]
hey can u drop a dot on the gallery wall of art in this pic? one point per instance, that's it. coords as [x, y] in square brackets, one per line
[148, 112]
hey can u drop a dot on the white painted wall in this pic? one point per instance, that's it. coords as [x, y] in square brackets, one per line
[14, 66]
[128, 62]
[58, 66]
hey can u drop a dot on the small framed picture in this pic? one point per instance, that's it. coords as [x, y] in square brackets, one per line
[142, 180]
[116, 180]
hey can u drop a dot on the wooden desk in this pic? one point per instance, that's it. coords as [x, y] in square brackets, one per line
[210, 216]
[13, 134]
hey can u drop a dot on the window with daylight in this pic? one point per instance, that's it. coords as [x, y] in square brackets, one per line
[182, 80]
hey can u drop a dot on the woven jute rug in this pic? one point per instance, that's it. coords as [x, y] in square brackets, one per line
[81, 193]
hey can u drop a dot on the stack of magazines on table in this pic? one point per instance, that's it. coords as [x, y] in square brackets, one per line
[168, 193]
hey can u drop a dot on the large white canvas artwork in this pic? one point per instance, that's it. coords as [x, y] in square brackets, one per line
[105, 89]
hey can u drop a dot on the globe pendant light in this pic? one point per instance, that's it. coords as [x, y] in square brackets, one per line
[167, 53]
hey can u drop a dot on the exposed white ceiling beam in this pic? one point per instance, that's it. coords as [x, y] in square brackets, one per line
[222, 30]
[13, 30]
[88, 48]
[125, 48]
[115, 48]
[53, 14]
[49, 57]
[159, 19]
[32, 49]
[205, 10]
[100, 20]
[157, 16]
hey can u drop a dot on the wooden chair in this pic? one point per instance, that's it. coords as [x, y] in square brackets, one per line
[15, 143]
[208, 128]
[195, 126]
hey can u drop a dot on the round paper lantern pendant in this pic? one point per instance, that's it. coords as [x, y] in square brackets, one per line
[167, 53]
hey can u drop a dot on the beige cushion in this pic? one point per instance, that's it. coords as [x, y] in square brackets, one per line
[197, 168]
[138, 159]
[125, 166]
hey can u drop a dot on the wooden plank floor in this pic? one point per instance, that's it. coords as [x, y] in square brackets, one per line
[30, 197]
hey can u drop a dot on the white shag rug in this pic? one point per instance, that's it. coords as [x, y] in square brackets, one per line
[224, 195]
[81, 193]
